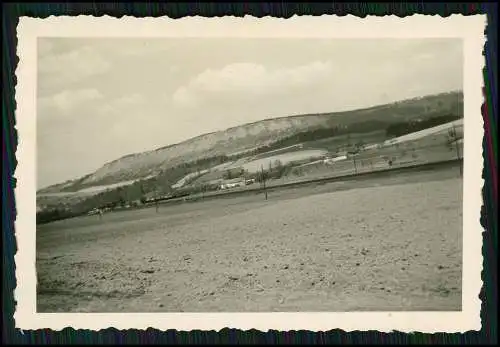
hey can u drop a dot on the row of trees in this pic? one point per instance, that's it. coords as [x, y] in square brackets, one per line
[54, 214]
[230, 174]
[274, 170]
[322, 133]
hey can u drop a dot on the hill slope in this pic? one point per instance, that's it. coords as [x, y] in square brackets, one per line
[247, 136]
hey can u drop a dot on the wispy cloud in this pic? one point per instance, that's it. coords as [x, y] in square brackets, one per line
[69, 67]
[122, 104]
[249, 79]
[67, 100]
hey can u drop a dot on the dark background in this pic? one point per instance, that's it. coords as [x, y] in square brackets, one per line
[489, 295]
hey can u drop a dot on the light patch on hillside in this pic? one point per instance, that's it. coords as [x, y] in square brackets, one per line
[458, 124]
[285, 158]
[222, 166]
[180, 183]
[98, 189]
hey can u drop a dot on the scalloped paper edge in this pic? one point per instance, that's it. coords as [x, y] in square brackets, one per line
[469, 28]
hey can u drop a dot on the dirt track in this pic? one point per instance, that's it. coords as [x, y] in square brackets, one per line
[393, 243]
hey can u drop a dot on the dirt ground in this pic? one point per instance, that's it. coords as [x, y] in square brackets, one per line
[390, 243]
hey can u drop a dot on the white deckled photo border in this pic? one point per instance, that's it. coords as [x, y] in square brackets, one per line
[469, 28]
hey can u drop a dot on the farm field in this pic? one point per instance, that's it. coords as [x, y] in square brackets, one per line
[341, 141]
[387, 243]
[284, 158]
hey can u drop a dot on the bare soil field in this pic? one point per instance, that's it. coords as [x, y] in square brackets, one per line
[390, 243]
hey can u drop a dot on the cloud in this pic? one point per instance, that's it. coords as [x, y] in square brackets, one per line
[72, 66]
[67, 100]
[248, 79]
[120, 115]
[122, 104]
[174, 69]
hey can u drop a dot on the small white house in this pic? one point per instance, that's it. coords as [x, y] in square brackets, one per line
[228, 184]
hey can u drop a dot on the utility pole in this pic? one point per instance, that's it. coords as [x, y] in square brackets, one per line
[263, 177]
[454, 132]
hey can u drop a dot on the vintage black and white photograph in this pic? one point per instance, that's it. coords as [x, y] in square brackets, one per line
[249, 174]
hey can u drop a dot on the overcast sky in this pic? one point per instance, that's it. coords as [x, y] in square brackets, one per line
[100, 99]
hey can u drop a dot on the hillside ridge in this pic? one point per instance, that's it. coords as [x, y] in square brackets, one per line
[246, 136]
[458, 92]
